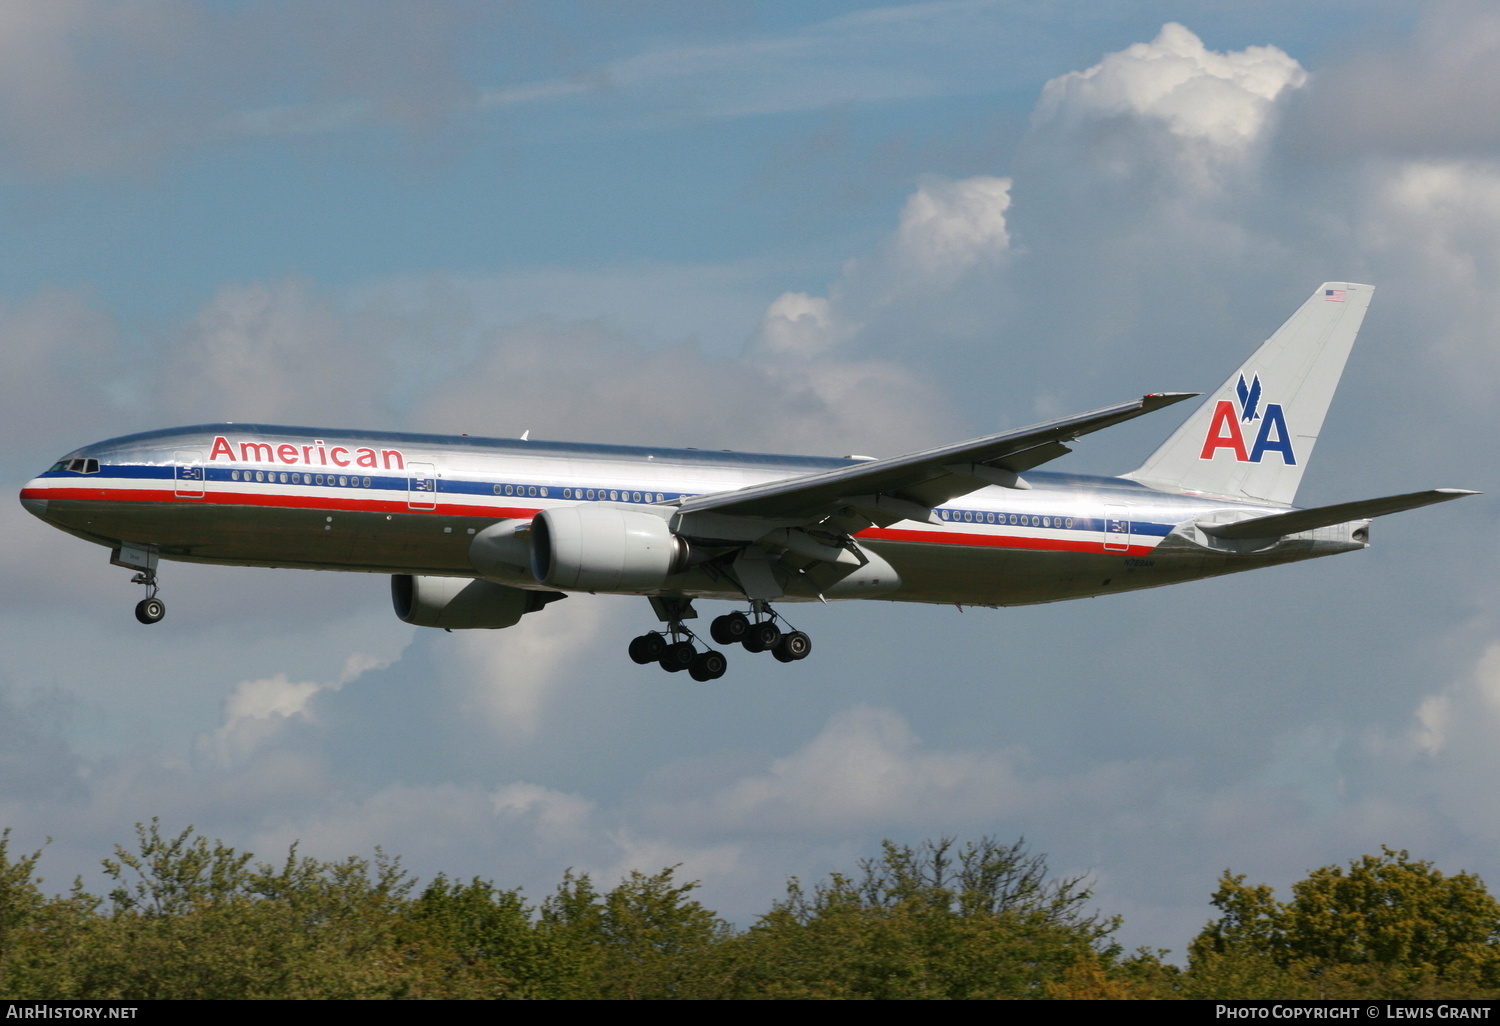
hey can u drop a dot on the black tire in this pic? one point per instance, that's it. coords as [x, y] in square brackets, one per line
[150, 610]
[678, 657]
[793, 646]
[648, 648]
[729, 629]
[708, 665]
[762, 637]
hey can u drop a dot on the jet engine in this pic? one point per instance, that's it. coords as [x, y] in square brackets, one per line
[458, 603]
[604, 548]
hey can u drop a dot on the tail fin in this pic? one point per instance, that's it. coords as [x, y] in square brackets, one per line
[1252, 437]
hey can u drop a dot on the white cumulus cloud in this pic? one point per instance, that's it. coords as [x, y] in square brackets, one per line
[1221, 98]
[947, 226]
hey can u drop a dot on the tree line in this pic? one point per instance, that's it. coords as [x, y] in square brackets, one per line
[186, 917]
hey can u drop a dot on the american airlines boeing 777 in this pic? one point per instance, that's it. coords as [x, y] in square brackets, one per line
[478, 532]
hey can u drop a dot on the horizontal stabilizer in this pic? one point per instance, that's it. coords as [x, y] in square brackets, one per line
[1297, 521]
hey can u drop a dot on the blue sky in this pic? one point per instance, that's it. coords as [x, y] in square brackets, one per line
[819, 228]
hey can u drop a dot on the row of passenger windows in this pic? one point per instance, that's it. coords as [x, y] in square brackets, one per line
[970, 516]
[612, 494]
[342, 480]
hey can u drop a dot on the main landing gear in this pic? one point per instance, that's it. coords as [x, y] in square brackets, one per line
[674, 650]
[762, 634]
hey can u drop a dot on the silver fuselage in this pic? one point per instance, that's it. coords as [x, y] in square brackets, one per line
[382, 502]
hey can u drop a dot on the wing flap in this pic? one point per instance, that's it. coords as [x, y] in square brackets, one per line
[1297, 521]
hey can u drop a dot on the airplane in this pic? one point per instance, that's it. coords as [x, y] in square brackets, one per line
[479, 532]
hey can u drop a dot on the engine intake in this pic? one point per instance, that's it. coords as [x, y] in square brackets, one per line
[602, 548]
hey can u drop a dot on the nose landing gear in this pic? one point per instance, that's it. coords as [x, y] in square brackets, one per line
[142, 559]
[149, 609]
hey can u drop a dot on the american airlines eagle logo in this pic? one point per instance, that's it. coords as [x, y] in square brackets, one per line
[1225, 430]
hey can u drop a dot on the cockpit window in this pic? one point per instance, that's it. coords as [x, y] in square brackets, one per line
[78, 465]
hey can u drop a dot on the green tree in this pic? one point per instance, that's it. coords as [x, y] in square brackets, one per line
[42, 939]
[488, 938]
[932, 921]
[1386, 923]
[646, 938]
[190, 918]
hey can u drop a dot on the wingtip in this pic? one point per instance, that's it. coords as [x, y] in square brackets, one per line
[1157, 400]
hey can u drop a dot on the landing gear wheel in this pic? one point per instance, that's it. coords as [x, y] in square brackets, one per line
[792, 647]
[708, 665]
[762, 637]
[730, 629]
[150, 610]
[648, 648]
[678, 657]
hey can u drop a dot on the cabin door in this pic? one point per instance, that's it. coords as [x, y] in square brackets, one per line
[421, 486]
[188, 474]
[1116, 528]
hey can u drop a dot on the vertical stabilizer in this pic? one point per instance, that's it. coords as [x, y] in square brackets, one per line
[1252, 438]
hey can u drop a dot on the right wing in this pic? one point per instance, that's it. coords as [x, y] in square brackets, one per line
[907, 487]
[815, 516]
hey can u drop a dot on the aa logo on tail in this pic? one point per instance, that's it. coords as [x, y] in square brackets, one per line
[1225, 432]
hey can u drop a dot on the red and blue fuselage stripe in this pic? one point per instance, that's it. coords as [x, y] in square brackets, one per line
[373, 493]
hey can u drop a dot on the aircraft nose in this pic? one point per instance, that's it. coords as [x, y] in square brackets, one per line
[34, 503]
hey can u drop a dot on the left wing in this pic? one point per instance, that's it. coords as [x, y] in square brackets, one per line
[907, 487]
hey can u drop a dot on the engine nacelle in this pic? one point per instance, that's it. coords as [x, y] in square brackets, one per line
[459, 603]
[604, 548]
